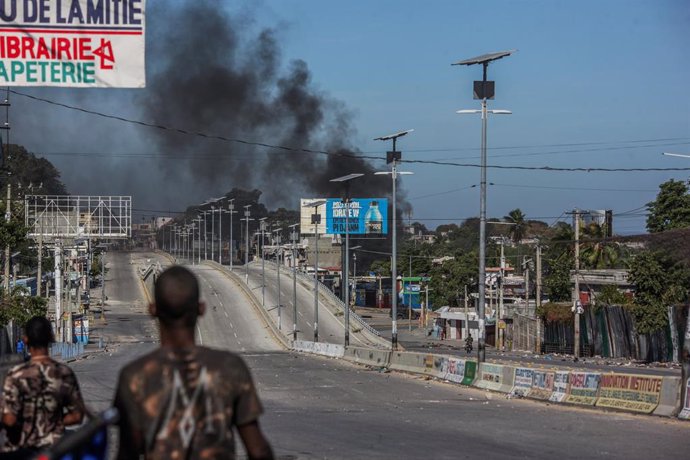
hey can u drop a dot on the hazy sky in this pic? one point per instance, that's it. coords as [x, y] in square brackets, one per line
[593, 84]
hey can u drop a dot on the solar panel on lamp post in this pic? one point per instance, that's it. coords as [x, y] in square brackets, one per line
[315, 221]
[345, 180]
[392, 157]
[483, 90]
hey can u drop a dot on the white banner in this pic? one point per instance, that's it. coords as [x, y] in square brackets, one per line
[73, 43]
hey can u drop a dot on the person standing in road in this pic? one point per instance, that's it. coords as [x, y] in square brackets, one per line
[40, 397]
[183, 400]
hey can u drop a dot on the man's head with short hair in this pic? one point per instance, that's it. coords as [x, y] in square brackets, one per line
[39, 332]
[177, 298]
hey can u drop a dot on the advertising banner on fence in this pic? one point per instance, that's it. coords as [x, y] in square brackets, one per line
[367, 216]
[561, 381]
[72, 43]
[542, 384]
[522, 384]
[583, 388]
[630, 392]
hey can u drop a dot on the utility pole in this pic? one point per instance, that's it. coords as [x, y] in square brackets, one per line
[538, 300]
[467, 318]
[576, 292]
[220, 235]
[198, 219]
[499, 317]
[39, 274]
[526, 273]
[293, 237]
[8, 211]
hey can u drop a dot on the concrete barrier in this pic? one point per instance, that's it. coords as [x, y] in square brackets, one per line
[542, 384]
[583, 388]
[685, 410]
[497, 377]
[561, 386]
[669, 403]
[459, 371]
[329, 349]
[522, 381]
[629, 392]
[419, 363]
[368, 356]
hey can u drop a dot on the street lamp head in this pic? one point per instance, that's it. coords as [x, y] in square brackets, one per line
[316, 204]
[393, 136]
[675, 155]
[485, 58]
[349, 177]
[493, 111]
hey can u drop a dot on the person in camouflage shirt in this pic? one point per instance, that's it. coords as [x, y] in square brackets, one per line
[182, 401]
[39, 397]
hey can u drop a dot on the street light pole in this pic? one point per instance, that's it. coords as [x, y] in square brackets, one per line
[205, 235]
[198, 219]
[293, 237]
[277, 240]
[316, 220]
[392, 158]
[213, 230]
[262, 228]
[246, 253]
[483, 90]
[231, 210]
[346, 286]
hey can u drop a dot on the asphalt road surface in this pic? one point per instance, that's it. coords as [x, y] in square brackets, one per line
[324, 408]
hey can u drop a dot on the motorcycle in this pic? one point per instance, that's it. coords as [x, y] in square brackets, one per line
[468, 344]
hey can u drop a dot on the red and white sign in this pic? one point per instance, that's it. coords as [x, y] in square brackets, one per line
[72, 43]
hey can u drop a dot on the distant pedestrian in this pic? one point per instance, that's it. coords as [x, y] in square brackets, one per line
[443, 331]
[40, 397]
[182, 401]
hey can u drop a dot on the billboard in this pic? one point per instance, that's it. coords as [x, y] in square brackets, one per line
[367, 216]
[306, 227]
[72, 43]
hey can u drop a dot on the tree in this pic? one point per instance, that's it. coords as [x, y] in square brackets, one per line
[594, 251]
[659, 282]
[26, 170]
[519, 227]
[557, 278]
[448, 280]
[19, 306]
[671, 209]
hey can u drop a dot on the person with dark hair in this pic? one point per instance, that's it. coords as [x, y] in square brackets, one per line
[183, 400]
[39, 397]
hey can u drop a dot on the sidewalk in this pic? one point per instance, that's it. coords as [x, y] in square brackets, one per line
[417, 339]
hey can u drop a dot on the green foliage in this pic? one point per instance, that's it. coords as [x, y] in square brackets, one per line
[557, 278]
[26, 170]
[555, 312]
[596, 253]
[519, 227]
[20, 307]
[659, 281]
[671, 209]
[449, 279]
[610, 295]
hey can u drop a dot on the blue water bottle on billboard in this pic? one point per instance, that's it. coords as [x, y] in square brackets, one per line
[373, 220]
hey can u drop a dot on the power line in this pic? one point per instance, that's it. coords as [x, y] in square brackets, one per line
[335, 153]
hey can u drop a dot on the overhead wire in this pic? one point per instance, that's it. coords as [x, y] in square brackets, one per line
[333, 153]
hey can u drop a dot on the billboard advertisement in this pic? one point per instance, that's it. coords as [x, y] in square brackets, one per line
[72, 43]
[367, 216]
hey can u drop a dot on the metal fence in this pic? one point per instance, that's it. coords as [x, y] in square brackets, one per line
[66, 350]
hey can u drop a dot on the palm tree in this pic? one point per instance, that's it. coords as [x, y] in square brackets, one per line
[596, 253]
[519, 227]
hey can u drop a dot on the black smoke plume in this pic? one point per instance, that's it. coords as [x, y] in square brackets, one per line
[210, 72]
